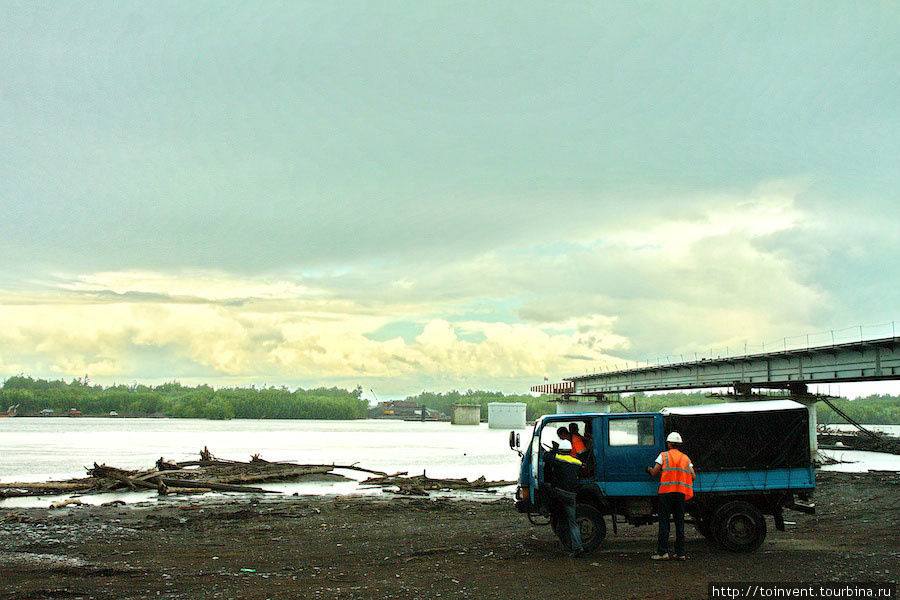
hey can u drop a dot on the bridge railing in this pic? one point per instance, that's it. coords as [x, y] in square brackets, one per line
[856, 333]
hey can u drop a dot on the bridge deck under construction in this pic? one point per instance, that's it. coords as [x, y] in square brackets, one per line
[868, 360]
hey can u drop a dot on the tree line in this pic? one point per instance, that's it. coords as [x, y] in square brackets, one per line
[177, 400]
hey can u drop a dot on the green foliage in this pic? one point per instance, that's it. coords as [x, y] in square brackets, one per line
[877, 409]
[175, 400]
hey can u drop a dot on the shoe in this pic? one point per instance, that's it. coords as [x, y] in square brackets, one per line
[577, 553]
[681, 557]
[663, 556]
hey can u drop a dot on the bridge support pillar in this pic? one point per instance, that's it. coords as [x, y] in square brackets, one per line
[810, 403]
[800, 393]
[581, 404]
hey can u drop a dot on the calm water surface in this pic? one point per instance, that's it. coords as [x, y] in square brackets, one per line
[35, 448]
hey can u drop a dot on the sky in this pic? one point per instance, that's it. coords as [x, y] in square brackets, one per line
[440, 195]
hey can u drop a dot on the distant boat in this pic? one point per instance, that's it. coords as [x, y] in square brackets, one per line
[10, 412]
[74, 412]
[113, 413]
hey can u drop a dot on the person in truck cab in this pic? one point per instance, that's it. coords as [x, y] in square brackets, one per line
[676, 486]
[586, 456]
[573, 432]
[576, 440]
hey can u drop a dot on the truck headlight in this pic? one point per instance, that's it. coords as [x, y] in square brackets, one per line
[522, 493]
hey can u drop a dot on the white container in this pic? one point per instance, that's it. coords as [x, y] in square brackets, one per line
[506, 415]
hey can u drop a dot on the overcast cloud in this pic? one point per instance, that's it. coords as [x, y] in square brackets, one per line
[444, 195]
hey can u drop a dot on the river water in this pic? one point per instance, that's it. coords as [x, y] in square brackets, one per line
[39, 449]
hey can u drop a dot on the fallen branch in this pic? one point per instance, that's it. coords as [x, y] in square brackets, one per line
[423, 482]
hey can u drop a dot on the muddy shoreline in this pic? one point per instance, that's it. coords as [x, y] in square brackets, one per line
[396, 547]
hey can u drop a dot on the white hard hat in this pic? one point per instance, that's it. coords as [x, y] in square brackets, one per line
[674, 438]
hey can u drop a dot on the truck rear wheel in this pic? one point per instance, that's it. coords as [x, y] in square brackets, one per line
[739, 526]
[591, 525]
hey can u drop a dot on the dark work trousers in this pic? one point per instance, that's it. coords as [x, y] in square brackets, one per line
[671, 504]
[574, 529]
[565, 514]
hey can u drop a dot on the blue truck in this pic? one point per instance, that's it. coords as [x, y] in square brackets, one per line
[752, 459]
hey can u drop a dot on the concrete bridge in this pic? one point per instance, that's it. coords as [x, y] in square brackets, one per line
[791, 370]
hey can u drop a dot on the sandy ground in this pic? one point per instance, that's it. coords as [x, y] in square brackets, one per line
[392, 547]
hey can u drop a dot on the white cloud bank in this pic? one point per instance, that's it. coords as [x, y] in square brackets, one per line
[499, 319]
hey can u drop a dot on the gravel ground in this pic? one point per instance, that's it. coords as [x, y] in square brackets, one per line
[393, 547]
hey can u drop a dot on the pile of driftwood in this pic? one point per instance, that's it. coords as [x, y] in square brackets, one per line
[420, 485]
[215, 474]
[188, 477]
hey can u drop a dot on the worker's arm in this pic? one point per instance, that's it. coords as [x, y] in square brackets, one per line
[693, 475]
[654, 470]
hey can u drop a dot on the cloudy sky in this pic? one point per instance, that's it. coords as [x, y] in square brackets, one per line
[439, 195]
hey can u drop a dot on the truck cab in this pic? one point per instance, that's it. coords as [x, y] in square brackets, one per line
[752, 459]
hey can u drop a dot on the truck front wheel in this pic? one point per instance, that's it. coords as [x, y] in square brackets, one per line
[592, 525]
[739, 526]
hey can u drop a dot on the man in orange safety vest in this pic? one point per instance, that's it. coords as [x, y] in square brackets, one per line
[676, 486]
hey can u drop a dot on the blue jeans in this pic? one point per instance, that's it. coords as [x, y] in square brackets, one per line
[574, 529]
[671, 504]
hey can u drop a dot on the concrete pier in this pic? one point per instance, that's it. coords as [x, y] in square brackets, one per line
[506, 415]
[465, 414]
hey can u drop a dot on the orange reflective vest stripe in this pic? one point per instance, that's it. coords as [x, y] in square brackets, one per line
[676, 474]
[577, 445]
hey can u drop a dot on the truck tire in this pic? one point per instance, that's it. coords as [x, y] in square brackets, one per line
[739, 526]
[591, 524]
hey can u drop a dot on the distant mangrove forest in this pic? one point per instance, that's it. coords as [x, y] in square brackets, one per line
[205, 402]
[177, 400]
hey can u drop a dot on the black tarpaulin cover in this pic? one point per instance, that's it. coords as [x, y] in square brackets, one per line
[736, 439]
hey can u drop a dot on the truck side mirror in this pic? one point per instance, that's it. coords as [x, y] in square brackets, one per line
[514, 440]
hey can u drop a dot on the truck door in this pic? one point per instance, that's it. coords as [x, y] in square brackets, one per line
[631, 443]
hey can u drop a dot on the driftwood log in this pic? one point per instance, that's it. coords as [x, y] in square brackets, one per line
[420, 485]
